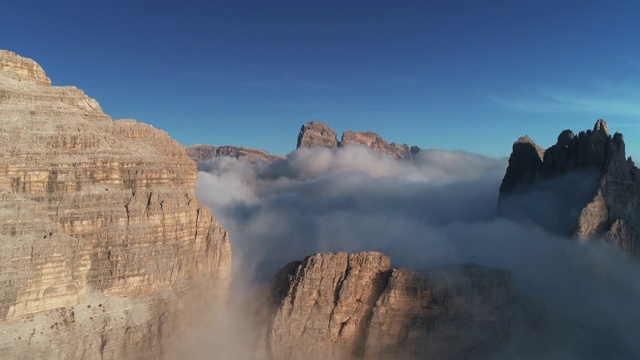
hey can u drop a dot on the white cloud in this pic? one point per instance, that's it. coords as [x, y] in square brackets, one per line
[438, 208]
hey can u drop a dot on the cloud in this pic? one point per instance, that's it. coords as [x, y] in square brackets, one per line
[436, 209]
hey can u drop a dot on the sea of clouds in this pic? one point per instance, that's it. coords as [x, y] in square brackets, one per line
[437, 208]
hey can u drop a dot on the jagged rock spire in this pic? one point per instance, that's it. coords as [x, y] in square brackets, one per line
[601, 125]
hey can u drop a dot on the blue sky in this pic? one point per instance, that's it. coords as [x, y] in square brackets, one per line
[471, 75]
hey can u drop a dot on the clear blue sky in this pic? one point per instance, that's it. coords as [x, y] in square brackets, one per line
[470, 75]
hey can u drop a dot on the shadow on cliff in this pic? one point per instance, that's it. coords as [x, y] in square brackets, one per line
[436, 209]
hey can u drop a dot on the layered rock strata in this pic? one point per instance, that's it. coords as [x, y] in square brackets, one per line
[203, 152]
[103, 241]
[614, 209]
[342, 306]
[315, 133]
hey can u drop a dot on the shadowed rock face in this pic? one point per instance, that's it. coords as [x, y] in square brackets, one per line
[103, 241]
[201, 152]
[613, 205]
[524, 162]
[315, 133]
[341, 306]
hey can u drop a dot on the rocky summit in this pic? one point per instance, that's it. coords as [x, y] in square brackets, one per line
[103, 241]
[355, 306]
[613, 210]
[315, 133]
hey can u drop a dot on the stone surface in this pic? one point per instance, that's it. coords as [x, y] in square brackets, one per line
[315, 133]
[614, 209]
[103, 241]
[203, 152]
[341, 306]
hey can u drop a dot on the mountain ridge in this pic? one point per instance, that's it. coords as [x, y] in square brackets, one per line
[614, 207]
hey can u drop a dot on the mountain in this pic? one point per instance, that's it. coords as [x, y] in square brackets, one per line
[203, 152]
[611, 205]
[355, 306]
[312, 134]
[315, 133]
[104, 244]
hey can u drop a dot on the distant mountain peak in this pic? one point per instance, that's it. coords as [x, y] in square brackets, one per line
[315, 133]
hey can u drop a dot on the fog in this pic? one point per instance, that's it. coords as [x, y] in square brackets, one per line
[438, 208]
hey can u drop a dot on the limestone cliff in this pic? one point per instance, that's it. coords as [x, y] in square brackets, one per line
[341, 306]
[103, 241]
[203, 152]
[315, 133]
[614, 208]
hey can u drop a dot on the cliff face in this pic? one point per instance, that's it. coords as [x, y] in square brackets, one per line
[202, 152]
[103, 241]
[315, 133]
[340, 306]
[614, 208]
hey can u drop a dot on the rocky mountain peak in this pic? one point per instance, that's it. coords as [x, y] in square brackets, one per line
[601, 125]
[355, 306]
[613, 202]
[22, 69]
[315, 133]
[524, 162]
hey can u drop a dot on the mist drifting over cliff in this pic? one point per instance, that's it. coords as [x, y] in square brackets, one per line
[437, 208]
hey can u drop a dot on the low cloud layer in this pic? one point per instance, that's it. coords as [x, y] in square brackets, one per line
[436, 209]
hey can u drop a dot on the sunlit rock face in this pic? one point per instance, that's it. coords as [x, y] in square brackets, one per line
[203, 152]
[355, 306]
[612, 208]
[315, 133]
[103, 242]
[377, 143]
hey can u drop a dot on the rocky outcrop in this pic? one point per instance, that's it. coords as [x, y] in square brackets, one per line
[103, 241]
[614, 208]
[315, 133]
[341, 306]
[377, 143]
[202, 152]
[524, 163]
